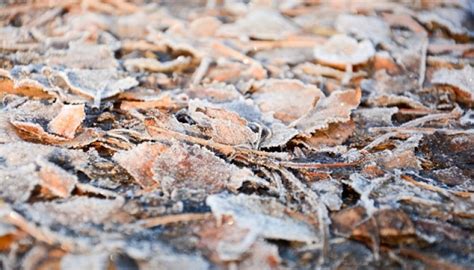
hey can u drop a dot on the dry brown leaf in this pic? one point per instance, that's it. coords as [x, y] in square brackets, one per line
[216, 93]
[383, 60]
[386, 90]
[264, 24]
[7, 130]
[320, 70]
[82, 56]
[76, 211]
[364, 27]
[164, 101]
[282, 56]
[67, 121]
[223, 126]
[35, 132]
[231, 71]
[336, 108]
[390, 226]
[462, 81]
[280, 135]
[96, 84]
[404, 20]
[58, 181]
[341, 51]
[40, 122]
[450, 19]
[205, 26]
[272, 97]
[139, 162]
[261, 216]
[262, 255]
[25, 81]
[27, 165]
[194, 167]
[153, 65]
[335, 134]
[227, 241]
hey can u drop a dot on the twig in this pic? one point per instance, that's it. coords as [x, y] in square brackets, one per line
[225, 149]
[444, 192]
[201, 70]
[422, 130]
[291, 42]
[164, 220]
[131, 45]
[313, 165]
[431, 262]
[379, 140]
[424, 49]
[456, 113]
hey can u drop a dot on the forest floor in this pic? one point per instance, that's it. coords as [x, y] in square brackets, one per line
[290, 134]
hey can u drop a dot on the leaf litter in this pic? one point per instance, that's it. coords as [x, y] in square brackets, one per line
[236, 135]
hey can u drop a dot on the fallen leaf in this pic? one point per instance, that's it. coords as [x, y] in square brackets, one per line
[364, 27]
[96, 84]
[82, 56]
[260, 24]
[336, 108]
[262, 216]
[67, 121]
[341, 50]
[182, 166]
[462, 81]
[272, 97]
[139, 162]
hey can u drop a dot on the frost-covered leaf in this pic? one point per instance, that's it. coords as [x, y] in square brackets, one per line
[262, 216]
[272, 97]
[221, 125]
[82, 56]
[97, 84]
[194, 167]
[462, 80]
[67, 121]
[364, 27]
[334, 109]
[341, 51]
[259, 24]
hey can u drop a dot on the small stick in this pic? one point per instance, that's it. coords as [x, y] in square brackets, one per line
[456, 113]
[225, 149]
[164, 220]
[422, 130]
[312, 165]
[201, 70]
[424, 49]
